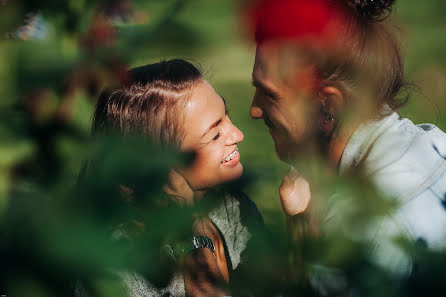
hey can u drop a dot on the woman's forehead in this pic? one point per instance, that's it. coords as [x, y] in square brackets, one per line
[204, 108]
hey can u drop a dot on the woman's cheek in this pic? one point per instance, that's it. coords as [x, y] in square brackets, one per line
[205, 169]
[210, 160]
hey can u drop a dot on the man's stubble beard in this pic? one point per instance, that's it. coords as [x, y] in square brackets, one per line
[294, 152]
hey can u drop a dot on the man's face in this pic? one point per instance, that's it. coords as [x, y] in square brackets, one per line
[282, 101]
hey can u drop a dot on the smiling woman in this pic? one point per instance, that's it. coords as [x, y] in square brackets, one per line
[212, 137]
[171, 104]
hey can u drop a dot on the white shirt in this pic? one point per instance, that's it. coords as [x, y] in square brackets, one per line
[405, 162]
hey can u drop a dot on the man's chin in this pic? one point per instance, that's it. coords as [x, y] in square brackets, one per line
[286, 153]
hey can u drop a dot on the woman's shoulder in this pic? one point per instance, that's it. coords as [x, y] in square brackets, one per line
[235, 207]
[134, 284]
[236, 216]
[248, 208]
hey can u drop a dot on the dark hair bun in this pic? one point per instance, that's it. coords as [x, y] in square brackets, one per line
[372, 10]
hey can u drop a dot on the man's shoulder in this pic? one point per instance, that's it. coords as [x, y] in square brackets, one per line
[406, 159]
[408, 163]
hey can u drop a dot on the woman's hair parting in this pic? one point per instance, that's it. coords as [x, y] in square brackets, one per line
[152, 103]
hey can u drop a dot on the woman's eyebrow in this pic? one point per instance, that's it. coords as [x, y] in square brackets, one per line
[217, 122]
[224, 101]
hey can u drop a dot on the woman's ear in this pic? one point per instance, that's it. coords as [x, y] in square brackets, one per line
[331, 101]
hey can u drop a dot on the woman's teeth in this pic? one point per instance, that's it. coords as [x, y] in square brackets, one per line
[230, 157]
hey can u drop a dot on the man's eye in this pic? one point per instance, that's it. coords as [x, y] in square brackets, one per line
[271, 96]
[217, 136]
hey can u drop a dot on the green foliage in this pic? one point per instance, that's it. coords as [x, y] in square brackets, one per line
[56, 228]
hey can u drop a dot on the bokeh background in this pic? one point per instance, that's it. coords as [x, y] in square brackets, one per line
[50, 78]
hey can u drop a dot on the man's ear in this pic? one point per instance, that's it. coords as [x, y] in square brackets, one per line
[331, 101]
[331, 98]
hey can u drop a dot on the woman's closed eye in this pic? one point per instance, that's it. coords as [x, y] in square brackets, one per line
[217, 136]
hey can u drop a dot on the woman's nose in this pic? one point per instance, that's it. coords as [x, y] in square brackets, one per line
[235, 135]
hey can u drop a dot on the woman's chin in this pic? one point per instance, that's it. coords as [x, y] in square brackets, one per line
[231, 175]
[236, 172]
[224, 175]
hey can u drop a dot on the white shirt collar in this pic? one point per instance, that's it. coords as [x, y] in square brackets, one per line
[363, 137]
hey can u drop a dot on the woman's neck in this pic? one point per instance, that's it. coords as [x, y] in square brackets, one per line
[198, 194]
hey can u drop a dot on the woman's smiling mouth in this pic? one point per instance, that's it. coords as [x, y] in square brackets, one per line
[232, 159]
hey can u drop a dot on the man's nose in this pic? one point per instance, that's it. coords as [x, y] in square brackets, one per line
[255, 111]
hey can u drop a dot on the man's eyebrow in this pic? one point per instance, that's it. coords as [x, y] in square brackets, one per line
[264, 88]
[217, 122]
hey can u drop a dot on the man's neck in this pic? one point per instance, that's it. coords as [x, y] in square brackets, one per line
[338, 142]
[336, 148]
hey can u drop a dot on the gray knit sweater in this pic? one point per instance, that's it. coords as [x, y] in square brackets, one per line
[229, 216]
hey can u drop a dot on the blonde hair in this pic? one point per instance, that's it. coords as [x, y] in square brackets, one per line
[151, 104]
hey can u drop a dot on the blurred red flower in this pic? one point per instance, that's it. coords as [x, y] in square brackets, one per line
[313, 20]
